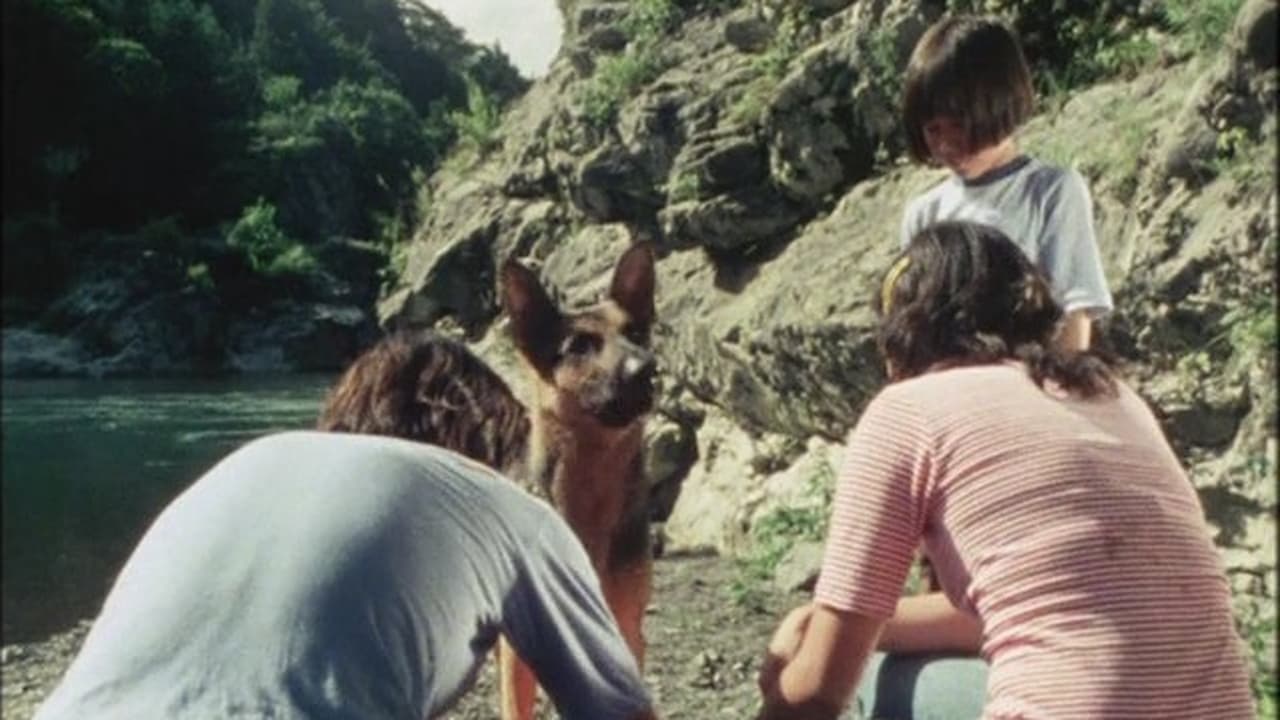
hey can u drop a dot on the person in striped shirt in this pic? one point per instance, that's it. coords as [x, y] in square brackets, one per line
[1071, 548]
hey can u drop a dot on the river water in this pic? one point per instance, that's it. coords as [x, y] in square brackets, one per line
[87, 464]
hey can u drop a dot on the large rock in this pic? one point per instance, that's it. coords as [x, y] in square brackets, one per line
[775, 227]
[610, 184]
[1254, 35]
[300, 338]
[708, 513]
[732, 221]
[122, 325]
[30, 353]
[747, 31]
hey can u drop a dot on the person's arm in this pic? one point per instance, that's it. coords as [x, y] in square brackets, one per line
[930, 623]
[814, 662]
[1070, 257]
[558, 622]
[1076, 332]
[877, 515]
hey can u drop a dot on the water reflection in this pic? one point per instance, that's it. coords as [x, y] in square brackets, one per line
[88, 463]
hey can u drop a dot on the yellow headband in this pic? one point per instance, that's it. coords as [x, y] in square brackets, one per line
[886, 290]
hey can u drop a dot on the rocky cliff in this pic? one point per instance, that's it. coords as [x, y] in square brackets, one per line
[756, 147]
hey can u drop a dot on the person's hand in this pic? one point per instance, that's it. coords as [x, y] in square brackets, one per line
[783, 647]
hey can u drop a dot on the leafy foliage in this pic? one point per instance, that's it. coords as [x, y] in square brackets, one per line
[618, 77]
[118, 112]
[1070, 45]
[1256, 623]
[774, 535]
[1202, 25]
[477, 126]
[267, 248]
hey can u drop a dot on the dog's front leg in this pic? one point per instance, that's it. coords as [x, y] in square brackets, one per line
[519, 686]
[627, 592]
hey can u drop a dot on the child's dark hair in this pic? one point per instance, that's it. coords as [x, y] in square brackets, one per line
[971, 70]
[424, 387]
[964, 294]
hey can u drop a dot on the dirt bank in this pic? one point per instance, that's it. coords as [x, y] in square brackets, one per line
[704, 649]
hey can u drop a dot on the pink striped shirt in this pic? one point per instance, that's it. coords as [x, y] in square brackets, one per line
[1066, 525]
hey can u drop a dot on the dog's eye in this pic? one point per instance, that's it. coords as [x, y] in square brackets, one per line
[580, 343]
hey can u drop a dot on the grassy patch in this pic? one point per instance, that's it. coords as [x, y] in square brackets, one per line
[772, 64]
[1106, 133]
[1251, 326]
[684, 186]
[618, 77]
[775, 534]
[1256, 624]
[1201, 26]
[1245, 158]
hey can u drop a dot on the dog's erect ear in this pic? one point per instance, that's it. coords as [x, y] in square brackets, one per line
[632, 286]
[535, 320]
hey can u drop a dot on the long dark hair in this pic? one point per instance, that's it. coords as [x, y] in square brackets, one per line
[964, 294]
[424, 387]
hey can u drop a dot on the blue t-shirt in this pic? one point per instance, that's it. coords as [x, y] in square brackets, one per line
[319, 575]
[1044, 209]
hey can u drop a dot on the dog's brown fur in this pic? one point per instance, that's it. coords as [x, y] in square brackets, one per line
[592, 373]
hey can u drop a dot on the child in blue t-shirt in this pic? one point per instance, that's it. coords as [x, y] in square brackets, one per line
[967, 90]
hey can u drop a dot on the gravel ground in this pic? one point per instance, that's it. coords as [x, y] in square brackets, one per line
[703, 651]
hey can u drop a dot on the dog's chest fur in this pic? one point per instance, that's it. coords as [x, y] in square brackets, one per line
[594, 476]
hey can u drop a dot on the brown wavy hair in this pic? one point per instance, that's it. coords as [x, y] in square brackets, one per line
[964, 294]
[421, 386]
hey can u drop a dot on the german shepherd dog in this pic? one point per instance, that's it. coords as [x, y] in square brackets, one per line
[592, 373]
[578, 444]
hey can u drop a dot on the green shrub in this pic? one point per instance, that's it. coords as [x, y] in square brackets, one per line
[775, 534]
[295, 260]
[1072, 44]
[1251, 327]
[1247, 158]
[684, 186]
[198, 276]
[1257, 626]
[750, 106]
[649, 21]
[268, 250]
[772, 64]
[1201, 25]
[618, 77]
[787, 42]
[477, 126]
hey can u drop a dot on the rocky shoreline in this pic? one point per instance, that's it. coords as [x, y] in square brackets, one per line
[704, 649]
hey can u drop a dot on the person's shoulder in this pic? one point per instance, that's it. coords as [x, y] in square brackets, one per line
[288, 442]
[1050, 180]
[923, 209]
[930, 196]
[940, 388]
